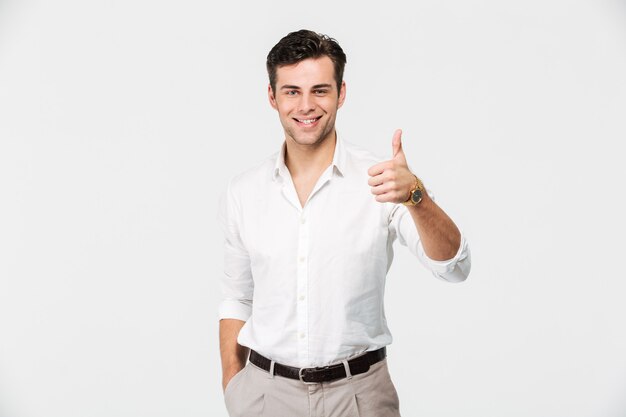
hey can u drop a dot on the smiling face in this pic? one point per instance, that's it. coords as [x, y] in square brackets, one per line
[307, 100]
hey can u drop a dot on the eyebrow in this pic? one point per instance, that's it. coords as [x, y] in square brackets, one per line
[295, 87]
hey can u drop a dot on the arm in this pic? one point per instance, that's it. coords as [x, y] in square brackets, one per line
[439, 235]
[430, 234]
[448, 259]
[237, 289]
[233, 354]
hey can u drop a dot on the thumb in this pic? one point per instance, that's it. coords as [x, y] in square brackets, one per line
[396, 143]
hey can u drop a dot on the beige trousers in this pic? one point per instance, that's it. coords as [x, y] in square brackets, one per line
[252, 392]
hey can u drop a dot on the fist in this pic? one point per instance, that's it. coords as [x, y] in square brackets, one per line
[392, 181]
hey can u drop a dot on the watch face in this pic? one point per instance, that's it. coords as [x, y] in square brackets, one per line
[416, 196]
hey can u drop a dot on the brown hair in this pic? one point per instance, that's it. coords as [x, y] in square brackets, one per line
[301, 45]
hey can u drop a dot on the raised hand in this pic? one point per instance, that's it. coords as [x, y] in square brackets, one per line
[391, 180]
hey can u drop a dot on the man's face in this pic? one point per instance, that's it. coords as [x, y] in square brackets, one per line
[307, 100]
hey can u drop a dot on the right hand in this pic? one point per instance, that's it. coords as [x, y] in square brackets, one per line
[226, 377]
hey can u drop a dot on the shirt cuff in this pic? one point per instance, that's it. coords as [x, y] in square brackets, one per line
[235, 309]
[455, 269]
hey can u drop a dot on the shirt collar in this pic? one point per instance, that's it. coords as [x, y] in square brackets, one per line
[339, 159]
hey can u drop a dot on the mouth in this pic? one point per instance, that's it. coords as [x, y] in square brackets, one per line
[307, 122]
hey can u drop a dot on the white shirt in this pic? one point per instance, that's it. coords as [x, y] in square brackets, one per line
[309, 281]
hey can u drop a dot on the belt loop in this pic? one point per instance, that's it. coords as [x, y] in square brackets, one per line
[345, 365]
[271, 374]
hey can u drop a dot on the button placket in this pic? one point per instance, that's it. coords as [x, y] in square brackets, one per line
[302, 286]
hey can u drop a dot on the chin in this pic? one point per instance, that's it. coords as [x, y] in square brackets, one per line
[310, 141]
[304, 139]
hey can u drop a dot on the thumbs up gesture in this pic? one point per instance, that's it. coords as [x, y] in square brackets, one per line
[391, 180]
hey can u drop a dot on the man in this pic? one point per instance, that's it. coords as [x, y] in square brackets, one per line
[308, 243]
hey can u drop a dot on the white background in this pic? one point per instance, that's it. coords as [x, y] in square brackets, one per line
[121, 121]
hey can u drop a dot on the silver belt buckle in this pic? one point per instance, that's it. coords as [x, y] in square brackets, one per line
[300, 376]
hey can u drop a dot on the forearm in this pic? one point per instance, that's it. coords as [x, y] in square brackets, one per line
[232, 353]
[439, 235]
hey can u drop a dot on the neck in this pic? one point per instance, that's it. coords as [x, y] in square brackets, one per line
[310, 159]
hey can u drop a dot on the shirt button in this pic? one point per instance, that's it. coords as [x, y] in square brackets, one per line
[302, 220]
[301, 335]
[301, 297]
[302, 259]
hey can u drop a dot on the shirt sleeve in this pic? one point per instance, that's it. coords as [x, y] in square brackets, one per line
[237, 284]
[455, 269]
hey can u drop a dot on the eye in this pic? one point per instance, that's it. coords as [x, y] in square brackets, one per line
[291, 92]
[320, 92]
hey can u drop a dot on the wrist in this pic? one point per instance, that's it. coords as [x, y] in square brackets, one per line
[416, 193]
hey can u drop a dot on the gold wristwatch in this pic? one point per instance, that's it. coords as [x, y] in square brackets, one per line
[417, 192]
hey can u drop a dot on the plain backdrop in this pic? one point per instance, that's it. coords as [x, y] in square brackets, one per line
[121, 122]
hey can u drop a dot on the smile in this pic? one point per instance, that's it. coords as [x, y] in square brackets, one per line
[307, 122]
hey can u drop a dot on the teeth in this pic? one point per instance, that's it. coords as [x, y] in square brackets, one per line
[307, 121]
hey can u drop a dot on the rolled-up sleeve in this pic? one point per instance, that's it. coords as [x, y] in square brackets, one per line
[456, 269]
[237, 284]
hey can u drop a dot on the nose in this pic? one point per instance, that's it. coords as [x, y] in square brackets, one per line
[306, 103]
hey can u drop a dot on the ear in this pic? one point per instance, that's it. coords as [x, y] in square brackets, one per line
[270, 96]
[342, 94]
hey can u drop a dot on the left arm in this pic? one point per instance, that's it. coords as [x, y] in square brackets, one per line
[439, 235]
[391, 181]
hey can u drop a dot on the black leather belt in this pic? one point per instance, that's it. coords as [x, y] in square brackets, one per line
[357, 365]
